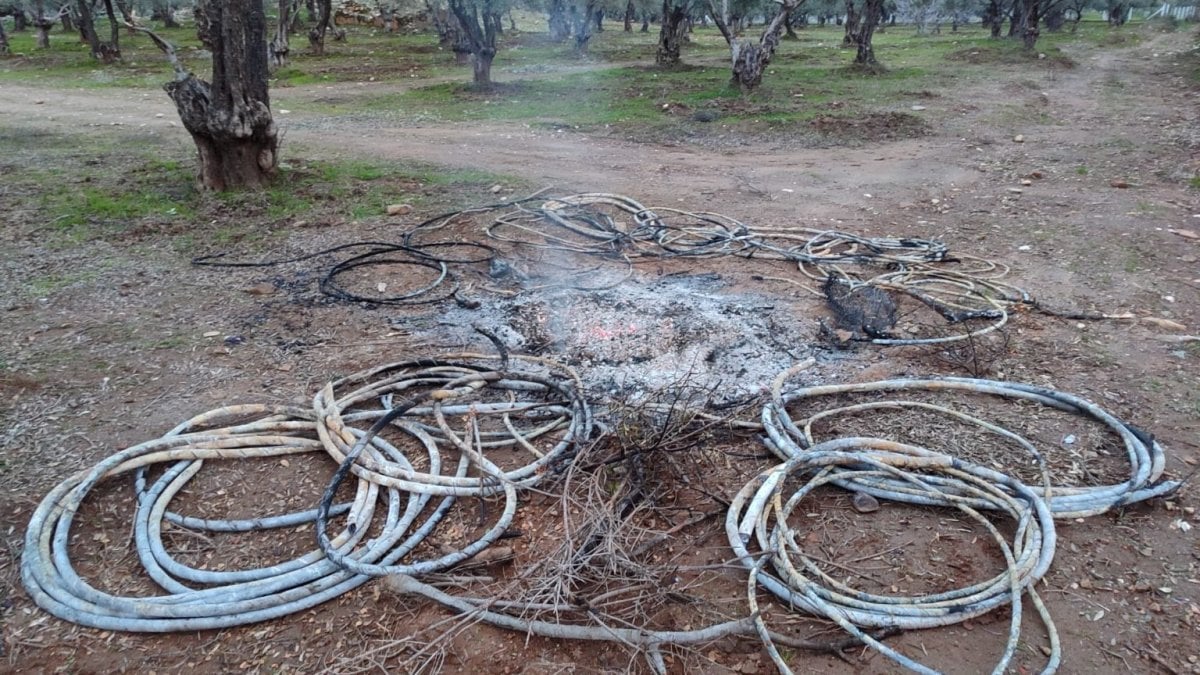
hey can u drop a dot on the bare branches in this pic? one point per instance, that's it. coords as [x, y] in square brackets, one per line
[181, 73]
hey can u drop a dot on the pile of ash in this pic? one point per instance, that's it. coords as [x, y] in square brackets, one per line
[647, 333]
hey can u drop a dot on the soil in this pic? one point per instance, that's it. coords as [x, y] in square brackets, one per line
[1073, 177]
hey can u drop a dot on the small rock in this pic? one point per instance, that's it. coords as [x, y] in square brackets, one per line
[1069, 439]
[1186, 234]
[1019, 138]
[399, 209]
[1025, 247]
[918, 107]
[496, 188]
[1038, 174]
[1015, 191]
[212, 333]
[263, 288]
[232, 340]
[1118, 184]
[38, 102]
[1026, 182]
[159, 115]
[864, 503]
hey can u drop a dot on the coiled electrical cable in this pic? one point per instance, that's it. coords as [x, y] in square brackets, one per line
[542, 414]
[760, 513]
[1146, 456]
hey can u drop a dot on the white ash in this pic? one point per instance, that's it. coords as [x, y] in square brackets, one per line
[645, 334]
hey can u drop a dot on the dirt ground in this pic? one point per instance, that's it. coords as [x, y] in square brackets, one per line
[1086, 207]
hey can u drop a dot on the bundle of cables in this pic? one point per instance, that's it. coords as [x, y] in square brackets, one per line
[898, 471]
[520, 425]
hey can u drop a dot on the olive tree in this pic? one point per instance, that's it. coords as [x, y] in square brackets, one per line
[229, 119]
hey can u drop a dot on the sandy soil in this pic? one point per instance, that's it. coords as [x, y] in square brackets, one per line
[1124, 590]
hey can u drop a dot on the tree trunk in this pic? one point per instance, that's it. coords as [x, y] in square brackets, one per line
[279, 45]
[204, 30]
[230, 120]
[598, 17]
[162, 12]
[852, 20]
[4, 50]
[750, 58]
[106, 52]
[870, 20]
[671, 34]
[316, 34]
[1118, 13]
[1029, 24]
[645, 22]
[481, 67]
[993, 18]
[478, 19]
[583, 27]
[559, 24]
[114, 29]
[630, 14]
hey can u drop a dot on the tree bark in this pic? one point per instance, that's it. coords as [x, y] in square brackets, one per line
[316, 34]
[559, 24]
[106, 52]
[872, 9]
[1031, 15]
[852, 20]
[162, 12]
[42, 25]
[114, 29]
[478, 19]
[1118, 12]
[4, 50]
[993, 17]
[230, 120]
[630, 14]
[750, 58]
[583, 27]
[672, 32]
[204, 31]
[279, 45]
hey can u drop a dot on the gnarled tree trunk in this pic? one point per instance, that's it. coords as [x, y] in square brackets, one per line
[853, 17]
[478, 19]
[229, 120]
[162, 12]
[583, 27]
[865, 56]
[672, 32]
[750, 58]
[104, 51]
[316, 34]
[279, 45]
[42, 24]
[204, 31]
